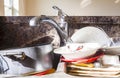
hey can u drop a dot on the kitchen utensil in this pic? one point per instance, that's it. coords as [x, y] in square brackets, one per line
[36, 58]
[73, 51]
[91, 34]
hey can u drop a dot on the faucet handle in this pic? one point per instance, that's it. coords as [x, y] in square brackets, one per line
[55, 7]
[60, 12]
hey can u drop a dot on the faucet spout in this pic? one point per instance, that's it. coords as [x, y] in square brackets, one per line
[37, 20]
[61, 26]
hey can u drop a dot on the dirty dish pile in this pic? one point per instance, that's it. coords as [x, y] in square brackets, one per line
[86, 56]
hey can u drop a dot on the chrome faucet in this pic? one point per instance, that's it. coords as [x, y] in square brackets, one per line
[61, 27]
[61, 15]
[62, 23]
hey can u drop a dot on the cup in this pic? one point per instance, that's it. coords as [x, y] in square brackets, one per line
[110, 60]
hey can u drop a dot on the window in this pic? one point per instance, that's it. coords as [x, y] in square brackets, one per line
[11, 7]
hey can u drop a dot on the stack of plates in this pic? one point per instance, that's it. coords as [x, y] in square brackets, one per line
[92, 72]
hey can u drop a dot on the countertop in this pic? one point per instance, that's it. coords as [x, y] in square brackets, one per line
[58, 74]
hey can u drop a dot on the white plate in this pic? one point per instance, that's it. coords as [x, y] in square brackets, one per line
[91, 34]
[87, 50]
[110, 69]
[114, 50]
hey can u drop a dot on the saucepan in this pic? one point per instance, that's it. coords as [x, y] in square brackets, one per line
[26, 60]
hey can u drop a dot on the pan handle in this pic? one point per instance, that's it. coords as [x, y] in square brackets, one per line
[16, 56]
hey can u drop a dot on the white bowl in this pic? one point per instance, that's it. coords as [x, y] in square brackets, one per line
[91, 35]
[70, 50]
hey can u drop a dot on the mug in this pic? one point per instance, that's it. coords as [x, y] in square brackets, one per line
[110, 60]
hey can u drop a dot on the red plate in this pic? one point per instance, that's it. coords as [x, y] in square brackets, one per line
[85, 60]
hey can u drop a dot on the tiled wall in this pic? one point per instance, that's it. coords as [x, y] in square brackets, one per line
[16, 32]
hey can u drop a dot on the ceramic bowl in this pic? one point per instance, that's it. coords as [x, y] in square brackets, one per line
[91, 35]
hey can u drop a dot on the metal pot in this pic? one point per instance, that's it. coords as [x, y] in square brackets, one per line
[25, 60]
